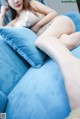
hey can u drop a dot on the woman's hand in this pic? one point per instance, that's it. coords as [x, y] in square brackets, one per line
[4, 9]
[35, 28]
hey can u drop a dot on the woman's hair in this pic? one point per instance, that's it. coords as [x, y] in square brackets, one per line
[26, 6]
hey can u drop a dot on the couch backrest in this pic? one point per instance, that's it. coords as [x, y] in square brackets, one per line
[13, 67]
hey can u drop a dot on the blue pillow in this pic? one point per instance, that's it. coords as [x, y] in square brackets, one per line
[22, 40]
[3, 101]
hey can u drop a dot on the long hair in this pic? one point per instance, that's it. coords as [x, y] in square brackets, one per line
[26, 6]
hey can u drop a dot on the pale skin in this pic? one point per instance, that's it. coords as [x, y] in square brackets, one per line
[55, 41]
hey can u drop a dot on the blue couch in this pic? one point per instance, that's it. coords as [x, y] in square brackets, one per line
[33, 93]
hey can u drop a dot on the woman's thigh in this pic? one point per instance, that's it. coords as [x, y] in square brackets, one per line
[60, 25]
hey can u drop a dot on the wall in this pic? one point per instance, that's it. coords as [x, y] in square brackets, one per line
[61, 7]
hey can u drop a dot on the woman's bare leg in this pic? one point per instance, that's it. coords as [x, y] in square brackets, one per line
[75, 114]
[70, 66]
[71, 41]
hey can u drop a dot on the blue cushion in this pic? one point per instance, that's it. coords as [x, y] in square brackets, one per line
[12, 66]
[22, 40]
[40, 94]
[3, 101]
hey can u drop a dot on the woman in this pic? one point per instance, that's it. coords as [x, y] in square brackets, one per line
[54, 31]
[39, 17]
[70, 67]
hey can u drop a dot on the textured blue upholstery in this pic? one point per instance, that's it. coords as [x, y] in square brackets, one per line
[12, 67]
[39, 95]
[22, 40]
[3, 101]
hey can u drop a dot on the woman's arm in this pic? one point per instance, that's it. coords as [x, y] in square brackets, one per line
[2, 15]
[1, 20]
[48, 12]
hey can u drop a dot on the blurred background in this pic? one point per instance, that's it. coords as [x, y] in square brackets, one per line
[62, 7]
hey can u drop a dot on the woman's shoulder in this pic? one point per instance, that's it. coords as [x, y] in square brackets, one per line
[35, 4]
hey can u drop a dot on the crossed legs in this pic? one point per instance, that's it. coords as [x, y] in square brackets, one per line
[71, 41]
[50, 43]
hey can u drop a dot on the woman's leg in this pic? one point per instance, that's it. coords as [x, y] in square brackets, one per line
[70, 66]
[71, 41]
[75, 114]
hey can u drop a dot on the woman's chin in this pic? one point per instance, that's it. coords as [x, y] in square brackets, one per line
[18, 9]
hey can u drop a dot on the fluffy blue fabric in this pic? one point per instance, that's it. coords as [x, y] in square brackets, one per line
[12, 67]
[22, 40]
[3, 101]
[39, 95]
